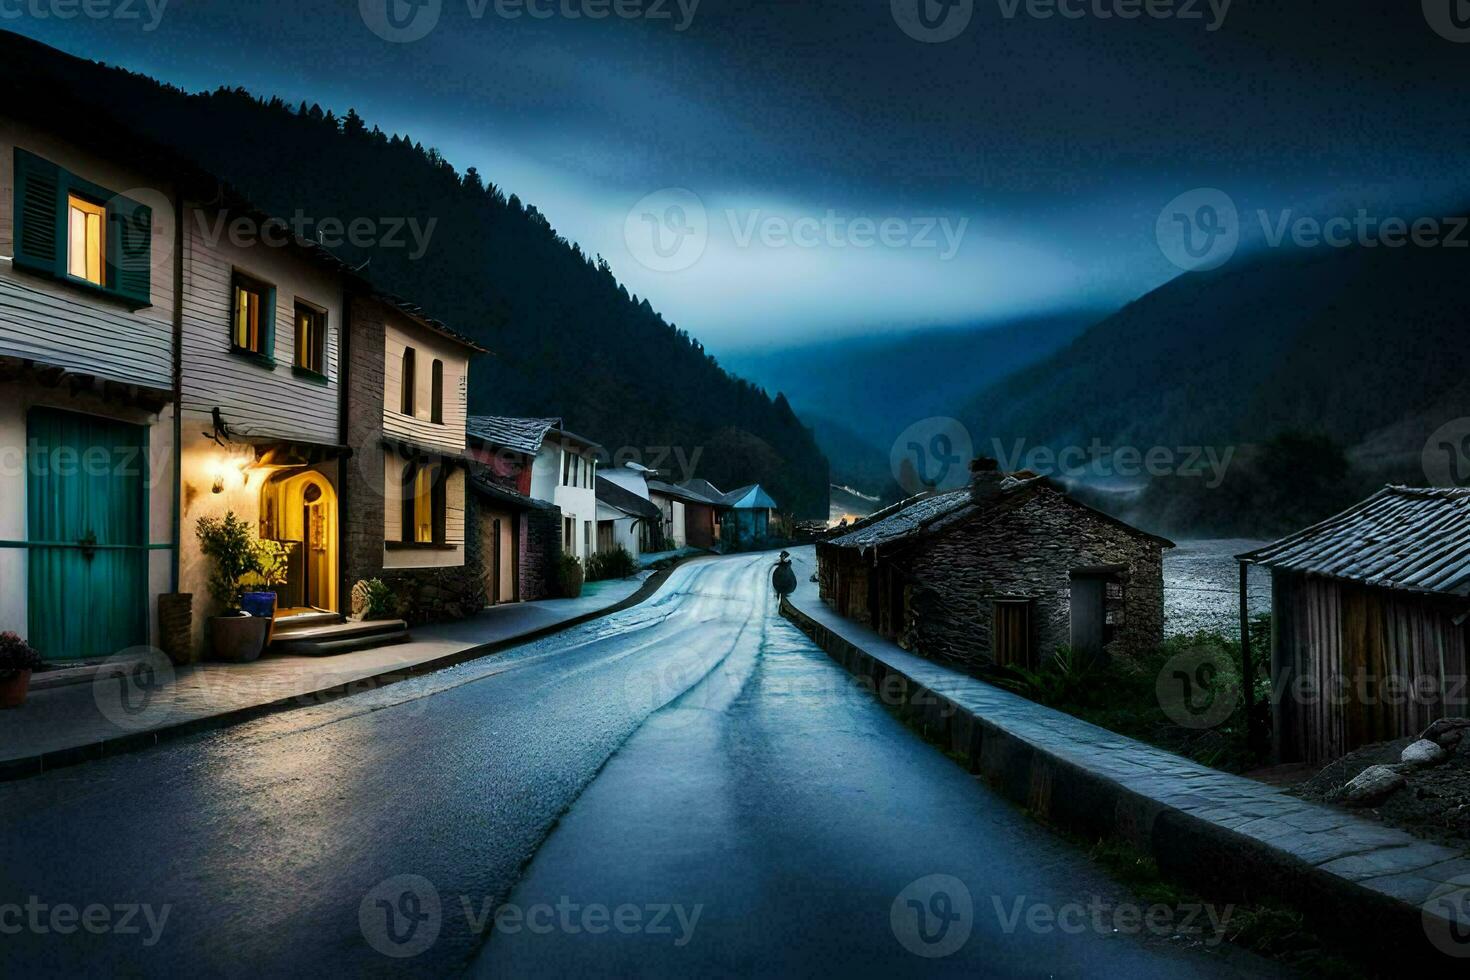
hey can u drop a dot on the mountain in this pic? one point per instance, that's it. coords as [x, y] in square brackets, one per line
[1324, 371]
[860, 394]
[568, 339]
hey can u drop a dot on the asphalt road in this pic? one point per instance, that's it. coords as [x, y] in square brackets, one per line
[685, 788]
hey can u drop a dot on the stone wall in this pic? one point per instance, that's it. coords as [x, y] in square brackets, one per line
[1029, 552]
[540, 553]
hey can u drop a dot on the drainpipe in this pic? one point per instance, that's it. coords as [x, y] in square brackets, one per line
[178, 352]
[344, 501]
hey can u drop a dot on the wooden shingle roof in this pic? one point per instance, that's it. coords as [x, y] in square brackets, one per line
[1406, 538]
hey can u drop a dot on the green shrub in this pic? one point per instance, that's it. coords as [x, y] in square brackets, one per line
[569, 576]
[618, 563]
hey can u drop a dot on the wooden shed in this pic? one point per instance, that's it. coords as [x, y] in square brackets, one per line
[1369, 622]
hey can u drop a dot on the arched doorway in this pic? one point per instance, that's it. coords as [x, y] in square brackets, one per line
[299, 509]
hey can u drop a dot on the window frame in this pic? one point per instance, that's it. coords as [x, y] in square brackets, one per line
[438, 504]
[323, 319]
[242, 280]
[408, 381]
[94, 208]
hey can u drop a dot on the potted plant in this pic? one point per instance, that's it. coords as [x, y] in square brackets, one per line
[271, 561]
[17, 660]
[235, 636]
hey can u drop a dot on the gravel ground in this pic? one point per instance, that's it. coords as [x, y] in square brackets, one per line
[1202, 586]
[1434, 805]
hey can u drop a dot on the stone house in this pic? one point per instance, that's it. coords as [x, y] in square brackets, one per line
[1003, 572]
[521, 537]
[406, 502]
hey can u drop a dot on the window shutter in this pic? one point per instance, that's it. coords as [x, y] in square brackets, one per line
[130, 250]
[39, 235]
[268, 324]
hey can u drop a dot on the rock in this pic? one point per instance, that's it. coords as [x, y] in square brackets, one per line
[1447, 732]
[1372, 785]
[1424, 753]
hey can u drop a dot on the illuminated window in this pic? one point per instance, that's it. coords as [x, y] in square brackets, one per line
[311, 339]
[252, 317]
[84, 242]
[423, 505]
[425, 499]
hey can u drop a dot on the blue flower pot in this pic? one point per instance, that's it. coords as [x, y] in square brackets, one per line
[261, 604]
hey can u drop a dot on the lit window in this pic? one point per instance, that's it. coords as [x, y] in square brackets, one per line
[423, 505]
[311, 339]
[84, 244]
[251, 316]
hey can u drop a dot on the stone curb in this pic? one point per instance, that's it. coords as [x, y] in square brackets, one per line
[34, 765]
[1210, 858]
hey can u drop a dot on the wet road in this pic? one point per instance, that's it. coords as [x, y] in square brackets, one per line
[718, 799]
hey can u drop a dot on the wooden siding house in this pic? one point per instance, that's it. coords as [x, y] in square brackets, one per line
[1369, 635]
[521, 537]
[87, 360]
[1004, 572]
[406, 414]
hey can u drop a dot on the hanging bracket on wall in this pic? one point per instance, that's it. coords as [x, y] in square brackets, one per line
[221, 433]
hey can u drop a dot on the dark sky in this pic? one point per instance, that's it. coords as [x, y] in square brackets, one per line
[1037, 152]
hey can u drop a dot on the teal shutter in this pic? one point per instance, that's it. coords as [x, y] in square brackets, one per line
[268, 325]
[40, 234]
[130, 250]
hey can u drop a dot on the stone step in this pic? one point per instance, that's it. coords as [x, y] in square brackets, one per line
[327, 648]
[339, 637]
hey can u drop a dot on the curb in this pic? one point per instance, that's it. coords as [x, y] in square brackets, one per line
[34, 765]
[1210, 859]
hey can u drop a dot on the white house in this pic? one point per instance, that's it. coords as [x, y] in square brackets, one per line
[564, 473]
[87, 421]
[627, 517]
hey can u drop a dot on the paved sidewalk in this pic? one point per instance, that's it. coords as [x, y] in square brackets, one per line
[1207, 823]
[116, 712]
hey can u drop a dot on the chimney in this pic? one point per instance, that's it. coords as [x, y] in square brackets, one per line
[985, 479]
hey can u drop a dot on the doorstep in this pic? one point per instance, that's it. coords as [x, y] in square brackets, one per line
[1225, 836]
[80, 722]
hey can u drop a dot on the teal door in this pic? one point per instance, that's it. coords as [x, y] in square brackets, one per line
[87, 510]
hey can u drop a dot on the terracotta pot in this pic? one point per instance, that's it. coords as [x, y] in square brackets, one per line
[238, 639]
[13, 691]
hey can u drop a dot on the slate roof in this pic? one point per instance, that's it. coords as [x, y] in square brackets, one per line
[520, 435]
[753, 497]
[510, 498]
[705, 489]
[934, 512]
[626, 500]
[681, 493]
[1416, 540]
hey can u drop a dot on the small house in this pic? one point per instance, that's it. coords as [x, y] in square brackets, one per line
[1369, 611]
[520, 536]
[691, 513]
[626, 517]
[1003, 572]
[750, 516]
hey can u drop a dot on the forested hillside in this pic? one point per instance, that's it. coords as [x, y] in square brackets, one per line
[568, 339]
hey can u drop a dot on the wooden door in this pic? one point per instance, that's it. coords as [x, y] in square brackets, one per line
[1011, 627]
[87, 512]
